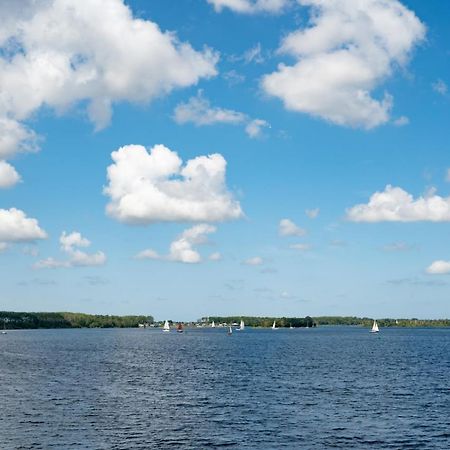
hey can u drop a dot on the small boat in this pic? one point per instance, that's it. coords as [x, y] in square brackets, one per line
[374, 327]
[291, 327]
[213, 325]
[230, 331]
[274, 325]
[241, 326]
[4, 327]
[166, 326]
[180, 328]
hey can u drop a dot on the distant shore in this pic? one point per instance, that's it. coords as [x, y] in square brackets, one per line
[46, 320]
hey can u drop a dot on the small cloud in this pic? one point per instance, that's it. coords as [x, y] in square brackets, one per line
[182, 249]
[301, 247]
[397, 247]
[199, 111]
[255, 261]
[440, 87]
[312, 213]
[439, 267]
[289, 228]
[216, 256]
[401, 121]
[8, 175]
[255, 126]
[233, 78]
[252, 55]
[71, 244]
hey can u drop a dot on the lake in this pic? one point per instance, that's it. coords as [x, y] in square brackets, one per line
[330, 387]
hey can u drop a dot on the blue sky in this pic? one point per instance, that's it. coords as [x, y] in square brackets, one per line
[305, 108]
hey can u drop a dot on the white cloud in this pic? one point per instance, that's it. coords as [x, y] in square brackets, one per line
[15, 226]
[8, 175]
[289, 228]
[56, 53]
[182, 249]
[252, 55]
[250, 6]
[216, 256]
[396, 205]
[312, 213]
[154, 187]
[439, 267]
[70, 244]
[401, 121]
[301, 247]
[397, 247]
[440, 87]
[254, 127]
[348, 50]
[255, 261]
[198, 110]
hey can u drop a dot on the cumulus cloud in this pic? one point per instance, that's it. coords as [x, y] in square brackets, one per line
[439, 267]
[289, 228]
[396, 205]
[250, 6]
[8, 175]
[348, 49]
[312, 213]
[255, 261]
[199, 111]
[57, 53]
[182, 249]
[15, 226]
[147, 187]
[70, 244]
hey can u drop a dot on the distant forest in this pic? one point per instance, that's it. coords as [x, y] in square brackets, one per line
[23, 320]
[286, 322]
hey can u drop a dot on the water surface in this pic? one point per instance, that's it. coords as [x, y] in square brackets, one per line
[330, 387]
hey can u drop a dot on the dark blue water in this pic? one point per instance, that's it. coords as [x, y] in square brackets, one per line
[319, 388]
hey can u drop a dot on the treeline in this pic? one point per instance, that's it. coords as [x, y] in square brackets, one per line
[280, 322]
[367, 322]
[25, 320]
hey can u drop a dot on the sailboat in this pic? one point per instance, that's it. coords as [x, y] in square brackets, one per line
[4, 327]
[230, 331]
[241, 326]
[374, 327]
[213, 325]
[180, 328]
[274, 326]
[166, 326]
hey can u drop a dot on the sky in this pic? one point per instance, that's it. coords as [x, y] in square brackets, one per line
[225, 157]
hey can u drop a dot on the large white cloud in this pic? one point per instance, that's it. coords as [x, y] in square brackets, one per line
[8, 175]
[147, 187]
[15, 226]
[182, 249]
[70, 245]
[250, 6]
[349, 48]
[55, 53]
[396, 205]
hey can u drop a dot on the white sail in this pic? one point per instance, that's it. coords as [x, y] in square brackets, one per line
[213, 325]
[274, 326]
[230, 330]
[242, 326]
[166, 326]
[375, 327]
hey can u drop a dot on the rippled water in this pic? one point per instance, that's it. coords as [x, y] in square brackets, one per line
[319, 388]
